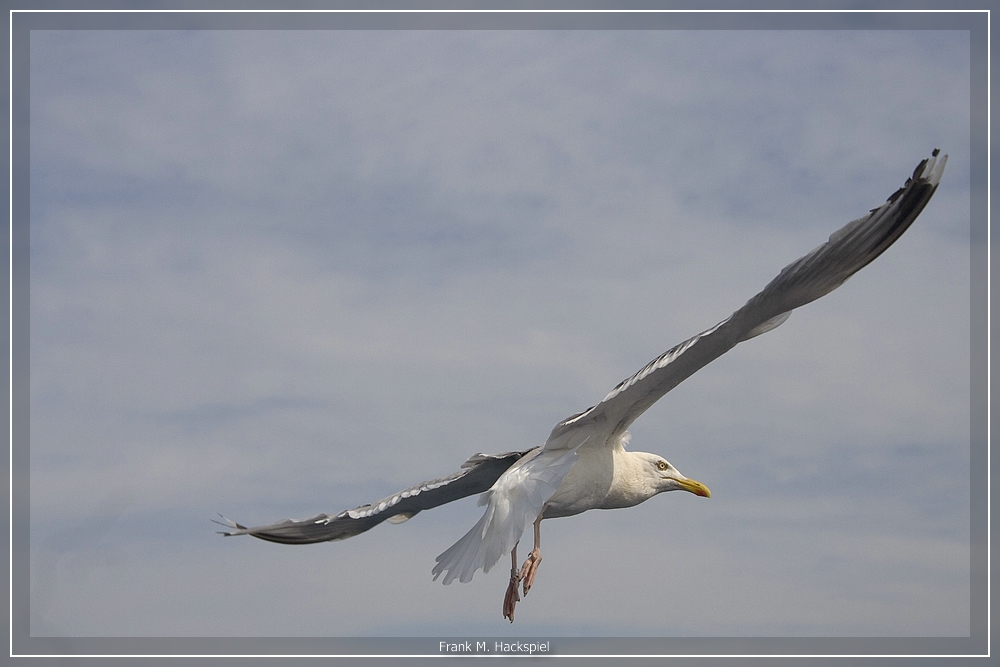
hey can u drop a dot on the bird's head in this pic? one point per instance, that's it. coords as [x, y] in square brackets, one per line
[668, 478]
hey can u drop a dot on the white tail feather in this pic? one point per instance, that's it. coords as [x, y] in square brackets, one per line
[514, 501]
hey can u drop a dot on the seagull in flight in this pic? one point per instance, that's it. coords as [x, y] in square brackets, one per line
[584, 464]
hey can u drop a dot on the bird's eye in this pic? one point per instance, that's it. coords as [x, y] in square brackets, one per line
[662, 465]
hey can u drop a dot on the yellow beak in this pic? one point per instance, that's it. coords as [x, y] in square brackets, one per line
[697, 488]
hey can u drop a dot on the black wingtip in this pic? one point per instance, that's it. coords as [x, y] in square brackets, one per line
[228, 523]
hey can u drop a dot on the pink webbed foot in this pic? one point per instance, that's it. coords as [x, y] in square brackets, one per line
[511, 598]
[529, 569]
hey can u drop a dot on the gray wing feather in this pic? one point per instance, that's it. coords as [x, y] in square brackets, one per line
[476, 476]
[821, 271]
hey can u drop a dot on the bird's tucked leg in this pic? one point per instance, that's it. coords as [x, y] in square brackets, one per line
[530, 567]
[512, 598]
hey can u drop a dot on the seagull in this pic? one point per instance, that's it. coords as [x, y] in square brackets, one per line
[584, 464]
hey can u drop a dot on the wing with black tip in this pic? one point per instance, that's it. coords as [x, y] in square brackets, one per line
[476, 476]
[847, 251]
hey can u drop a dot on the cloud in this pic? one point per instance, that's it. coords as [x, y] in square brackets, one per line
[277, 273]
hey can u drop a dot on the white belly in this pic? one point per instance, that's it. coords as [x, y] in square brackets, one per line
[586, 485]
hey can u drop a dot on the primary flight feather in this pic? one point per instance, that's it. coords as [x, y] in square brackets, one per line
[584, 464]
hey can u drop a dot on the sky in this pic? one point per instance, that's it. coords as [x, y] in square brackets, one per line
[281, 273]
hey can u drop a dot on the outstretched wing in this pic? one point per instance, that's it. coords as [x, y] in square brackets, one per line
[476, 476]
[820, 272]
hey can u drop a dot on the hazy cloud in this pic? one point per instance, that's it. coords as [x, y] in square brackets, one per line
[278, 273]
